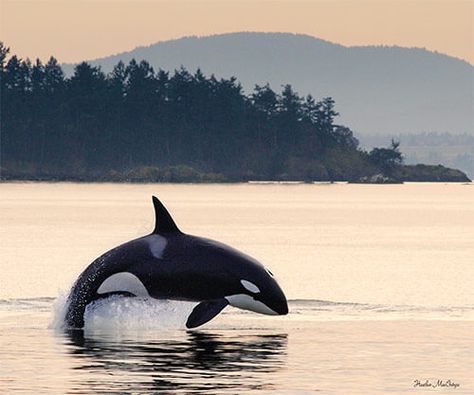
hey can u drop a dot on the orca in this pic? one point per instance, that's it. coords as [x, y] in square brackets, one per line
[169, 264]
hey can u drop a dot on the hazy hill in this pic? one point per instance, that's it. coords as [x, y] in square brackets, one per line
[378, 90]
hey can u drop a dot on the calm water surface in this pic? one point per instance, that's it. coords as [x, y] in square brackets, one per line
[379, 280]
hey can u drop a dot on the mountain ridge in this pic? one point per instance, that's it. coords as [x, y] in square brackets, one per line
[378, 89]
[198, 37]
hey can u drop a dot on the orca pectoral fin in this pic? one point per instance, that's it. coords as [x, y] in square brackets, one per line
[205, 311]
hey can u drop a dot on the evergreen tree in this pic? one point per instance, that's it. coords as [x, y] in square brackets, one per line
[91, 124]
[387, 158]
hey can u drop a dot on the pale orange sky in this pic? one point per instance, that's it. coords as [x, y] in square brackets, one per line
[74, 30]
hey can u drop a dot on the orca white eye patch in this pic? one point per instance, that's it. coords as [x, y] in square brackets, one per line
[249, 286]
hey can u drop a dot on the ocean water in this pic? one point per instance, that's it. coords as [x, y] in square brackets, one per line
[379, 281]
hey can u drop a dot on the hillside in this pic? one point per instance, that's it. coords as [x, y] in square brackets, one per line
[135, 124]
[379, 90]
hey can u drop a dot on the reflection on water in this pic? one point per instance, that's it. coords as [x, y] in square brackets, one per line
[194, 361]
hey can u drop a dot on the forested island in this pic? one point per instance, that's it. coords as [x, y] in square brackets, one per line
[135, 124]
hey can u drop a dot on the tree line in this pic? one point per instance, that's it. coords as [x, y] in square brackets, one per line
[93, 124]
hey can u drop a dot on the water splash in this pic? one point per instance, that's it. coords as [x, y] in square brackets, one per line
[118, 313]
[136, 313]
[59, 307]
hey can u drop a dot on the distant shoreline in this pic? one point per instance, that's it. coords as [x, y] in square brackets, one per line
[187, 174]
[84, 180]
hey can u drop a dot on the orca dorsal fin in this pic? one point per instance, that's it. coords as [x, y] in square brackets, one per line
[164, 224]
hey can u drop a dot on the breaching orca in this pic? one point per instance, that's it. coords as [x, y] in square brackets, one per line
[168, 264]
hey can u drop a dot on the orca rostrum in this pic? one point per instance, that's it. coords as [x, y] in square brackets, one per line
[169, 264]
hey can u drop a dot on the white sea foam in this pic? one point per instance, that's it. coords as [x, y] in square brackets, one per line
[59, 311]
[118, 313]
